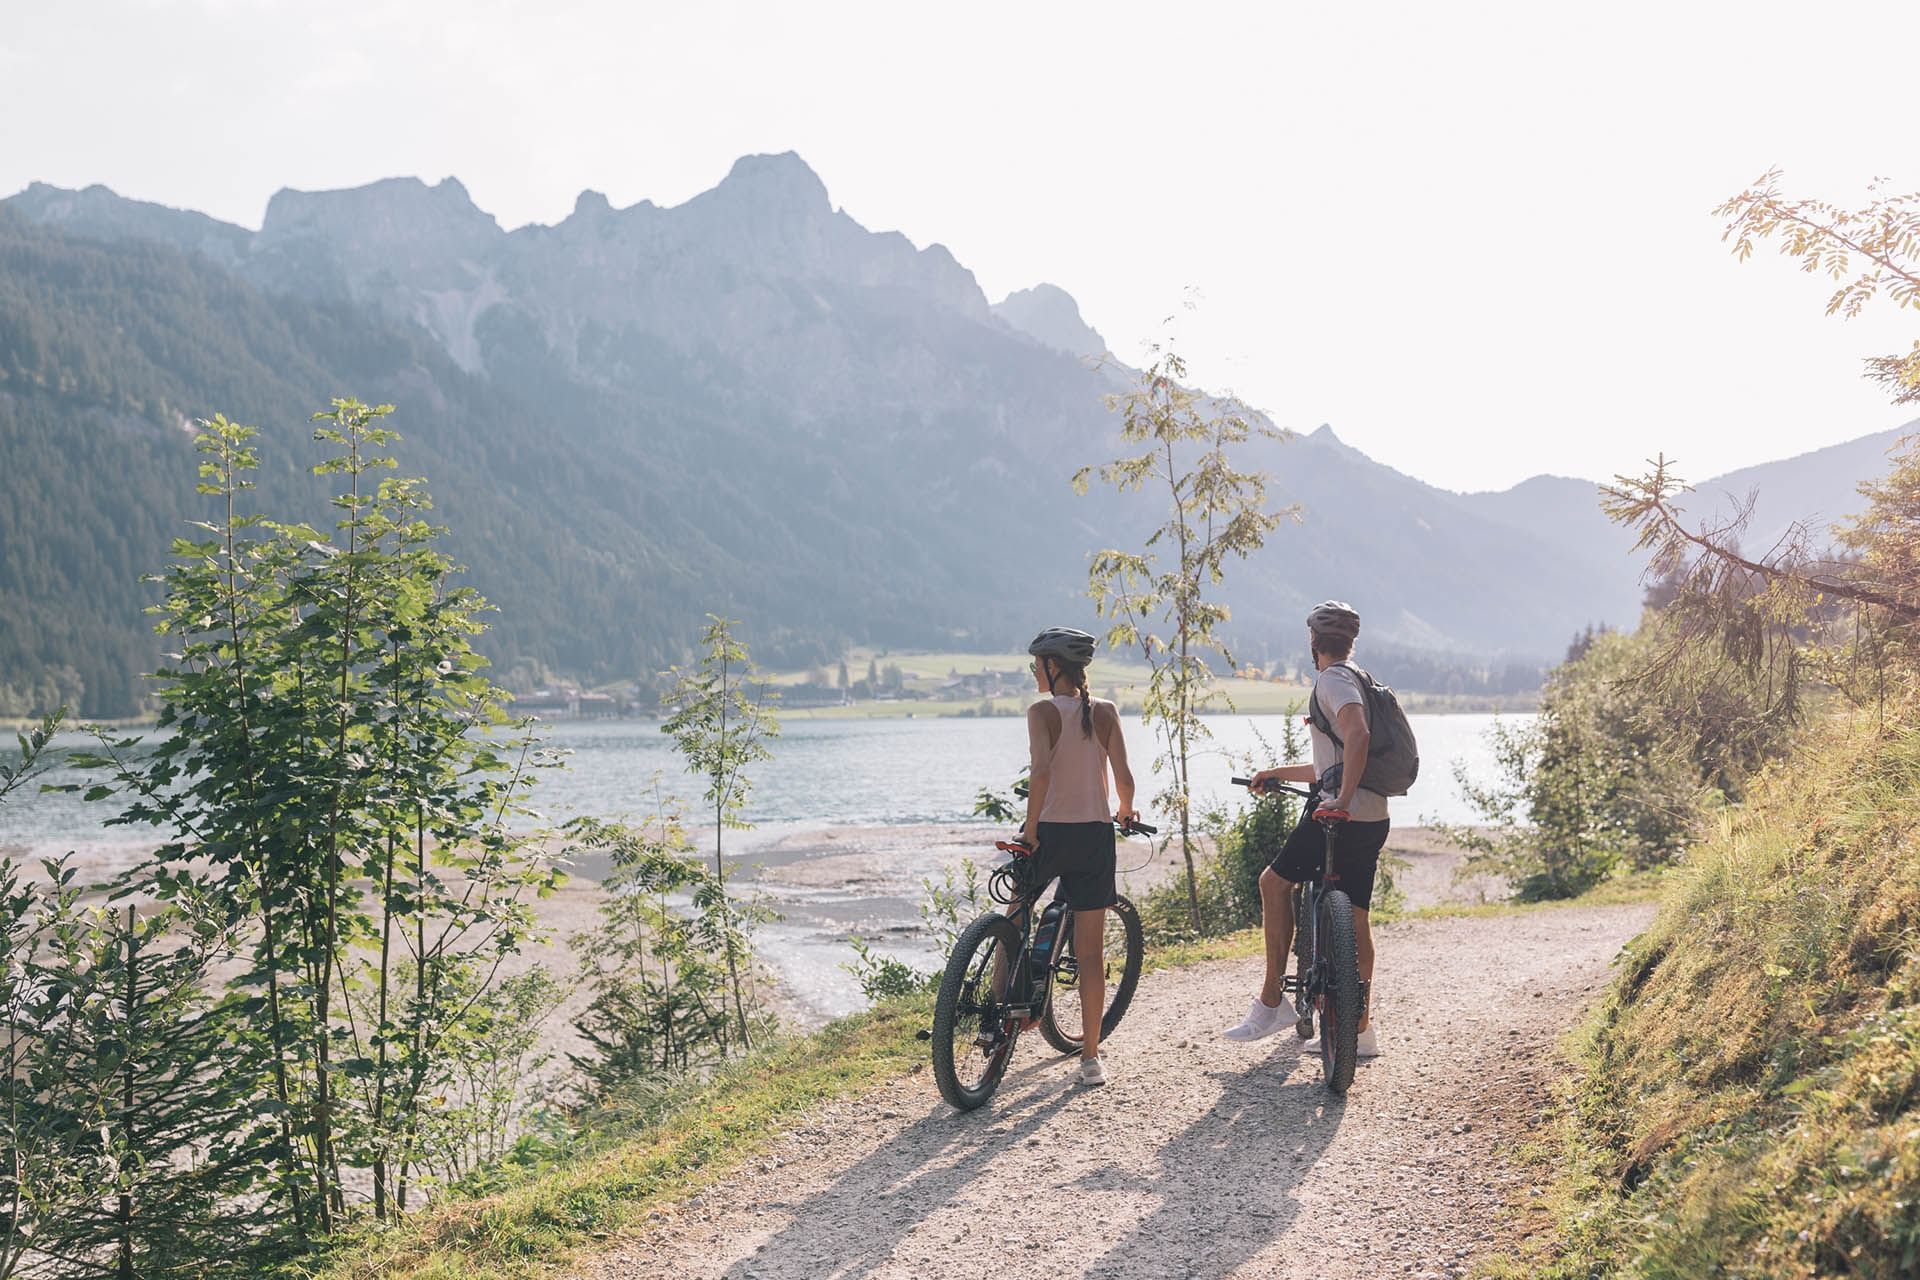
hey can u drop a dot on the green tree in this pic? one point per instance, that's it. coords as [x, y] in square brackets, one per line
[1877, 245]
[114, 1117]
[722, 727]
[31, 763]
[659, 1004]
[1797, 609]
[1162, 598]
[331, 764]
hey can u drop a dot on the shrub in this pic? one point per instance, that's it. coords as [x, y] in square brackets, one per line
[1615, 773]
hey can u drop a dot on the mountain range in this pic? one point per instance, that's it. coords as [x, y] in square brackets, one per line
[745, 404]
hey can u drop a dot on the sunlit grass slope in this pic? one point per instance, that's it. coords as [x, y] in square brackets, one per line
[1749, 1097]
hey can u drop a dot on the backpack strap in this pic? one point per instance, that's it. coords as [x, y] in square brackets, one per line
[1320, 719]
[1318, 715]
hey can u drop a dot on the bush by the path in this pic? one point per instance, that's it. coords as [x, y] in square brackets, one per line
[1749, 1097]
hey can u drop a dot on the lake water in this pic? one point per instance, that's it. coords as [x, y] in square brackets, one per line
[894, 780]
[893, 772]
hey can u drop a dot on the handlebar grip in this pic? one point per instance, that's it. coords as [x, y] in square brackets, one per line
[1243, 782]
[1140, 828]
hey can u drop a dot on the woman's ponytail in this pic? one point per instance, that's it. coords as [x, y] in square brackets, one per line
[1075, 674]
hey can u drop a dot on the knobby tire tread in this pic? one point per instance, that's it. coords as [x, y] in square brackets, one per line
[990, 929]
[1339, 1044]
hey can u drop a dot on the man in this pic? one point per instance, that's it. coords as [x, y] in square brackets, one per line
[1337, 768]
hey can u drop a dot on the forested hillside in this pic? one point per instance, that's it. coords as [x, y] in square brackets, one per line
[748, 404]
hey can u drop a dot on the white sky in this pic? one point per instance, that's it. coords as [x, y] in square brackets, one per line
[1475, 238]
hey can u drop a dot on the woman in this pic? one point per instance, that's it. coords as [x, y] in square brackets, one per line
[1075, 739]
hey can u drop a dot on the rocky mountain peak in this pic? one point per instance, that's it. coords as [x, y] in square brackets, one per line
[782, 184]
[398, 228]
[389, 211]
[1049, 315]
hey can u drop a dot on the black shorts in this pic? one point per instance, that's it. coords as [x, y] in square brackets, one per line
[1356, 856]
[1082, 855]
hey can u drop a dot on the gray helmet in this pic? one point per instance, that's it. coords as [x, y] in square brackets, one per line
[1334, 618]
[1063, 644]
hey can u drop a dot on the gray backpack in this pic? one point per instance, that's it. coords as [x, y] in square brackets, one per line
[1393, 757]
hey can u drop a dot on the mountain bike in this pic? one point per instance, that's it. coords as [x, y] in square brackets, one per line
[1326, 977]
[1009, 972]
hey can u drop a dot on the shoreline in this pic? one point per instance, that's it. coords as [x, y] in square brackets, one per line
[828, 881]
[1421, 704]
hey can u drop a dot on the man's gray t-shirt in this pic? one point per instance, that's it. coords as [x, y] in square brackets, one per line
[1334, 688]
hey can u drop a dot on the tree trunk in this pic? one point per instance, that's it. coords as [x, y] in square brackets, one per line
[124, 1217]
[720, 869]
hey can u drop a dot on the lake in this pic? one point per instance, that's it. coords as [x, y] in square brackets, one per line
[849, 814]
[842, 772]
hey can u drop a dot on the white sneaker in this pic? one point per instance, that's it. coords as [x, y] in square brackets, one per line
[1092, 1072]
[1365, 1045]
[1262, 1021]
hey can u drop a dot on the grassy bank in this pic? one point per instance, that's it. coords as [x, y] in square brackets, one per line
[615, 1173]
[1744, 1101]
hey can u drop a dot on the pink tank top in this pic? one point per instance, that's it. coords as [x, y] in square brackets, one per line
[1077, 782]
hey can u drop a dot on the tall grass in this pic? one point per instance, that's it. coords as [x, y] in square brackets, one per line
[1748, 1097]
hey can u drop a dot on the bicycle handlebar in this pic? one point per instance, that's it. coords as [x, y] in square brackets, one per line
[1272, 787]
[1135, 827]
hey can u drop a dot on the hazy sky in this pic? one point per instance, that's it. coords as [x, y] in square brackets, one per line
[1476, 239]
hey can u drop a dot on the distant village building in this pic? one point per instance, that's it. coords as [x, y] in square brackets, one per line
[568, 703]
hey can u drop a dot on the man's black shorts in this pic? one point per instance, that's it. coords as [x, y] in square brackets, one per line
[1356, 856]
[1082, 855]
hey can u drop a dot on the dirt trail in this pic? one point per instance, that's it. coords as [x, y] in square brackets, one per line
[1202, 1158]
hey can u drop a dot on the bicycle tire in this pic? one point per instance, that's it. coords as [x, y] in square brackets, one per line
[1062, 1027]
[1340, 1012]
[966, 998]
[1302, 965]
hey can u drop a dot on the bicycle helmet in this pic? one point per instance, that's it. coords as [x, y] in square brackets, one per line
[1334, 618]
[1063, 644]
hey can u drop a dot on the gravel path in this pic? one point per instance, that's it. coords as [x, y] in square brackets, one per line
[1202, 1158]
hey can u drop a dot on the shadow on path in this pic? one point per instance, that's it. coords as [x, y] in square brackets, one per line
[853, 1226]
[1226, 1183]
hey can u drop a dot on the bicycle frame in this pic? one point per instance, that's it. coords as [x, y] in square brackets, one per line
[1022, 898]
[1020, 913]
[1308, 984]
[994, 986]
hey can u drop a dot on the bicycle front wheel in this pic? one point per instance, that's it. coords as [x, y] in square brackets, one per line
[972, 1038]
[1340, 1011]
[1121, 955]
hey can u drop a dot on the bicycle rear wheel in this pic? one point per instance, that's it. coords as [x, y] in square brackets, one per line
[1340, 1011]
[1063, 1022]
[967, 1012]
